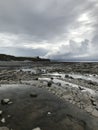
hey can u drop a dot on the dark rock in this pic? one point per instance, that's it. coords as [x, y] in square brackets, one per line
[96, 108]
[59, 84]
[91, 83]
[52, 78]
[49, 84]
[71, 77]
[66, 76]
[33, 95]
[80, 88]
[93, 102]
[36, 79]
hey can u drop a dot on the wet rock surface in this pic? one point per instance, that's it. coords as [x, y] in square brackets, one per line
[75, 90]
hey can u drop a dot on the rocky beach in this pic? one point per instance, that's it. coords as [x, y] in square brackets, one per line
[48, 96]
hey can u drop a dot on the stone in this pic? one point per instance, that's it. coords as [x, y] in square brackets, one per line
[9, 116]
[33, 95]
[59, 84]
[66, 76]
[5, 101]
[93, 102]
[3, 120]
[52, 78]
[49, 113]
[36, 78]
[10, 102]
[91, 83]
[80, 88]
[95, 113]
[37, 128]
[96, 107]
[49, 84]
[71, 77]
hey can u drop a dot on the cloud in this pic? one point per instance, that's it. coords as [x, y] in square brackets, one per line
[49, 28]
[43, 20]
[23, 51]
[71, 51]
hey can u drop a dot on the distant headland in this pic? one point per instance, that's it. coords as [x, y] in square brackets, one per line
[4, 57]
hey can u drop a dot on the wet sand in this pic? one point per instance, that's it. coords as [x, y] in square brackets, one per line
[44, 110]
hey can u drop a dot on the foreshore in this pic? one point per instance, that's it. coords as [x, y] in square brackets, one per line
[43, 96]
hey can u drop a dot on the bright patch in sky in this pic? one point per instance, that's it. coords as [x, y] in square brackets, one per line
[83, 18]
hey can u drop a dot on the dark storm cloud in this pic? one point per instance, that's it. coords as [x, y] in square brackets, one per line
[51, 22]
[45, 19]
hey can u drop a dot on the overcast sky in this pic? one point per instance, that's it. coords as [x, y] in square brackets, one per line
[56, 29]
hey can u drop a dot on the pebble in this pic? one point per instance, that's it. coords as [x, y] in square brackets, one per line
[49, 113]
[3, 120]
[49, 84]
[37, 128]
[9, 116]
[33, 95]
[10, 103]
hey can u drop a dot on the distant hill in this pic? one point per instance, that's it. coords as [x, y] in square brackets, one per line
[4, 57]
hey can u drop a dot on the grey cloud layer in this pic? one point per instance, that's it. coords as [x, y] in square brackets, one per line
[23, 51]
[37, 21]
[45, 19]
